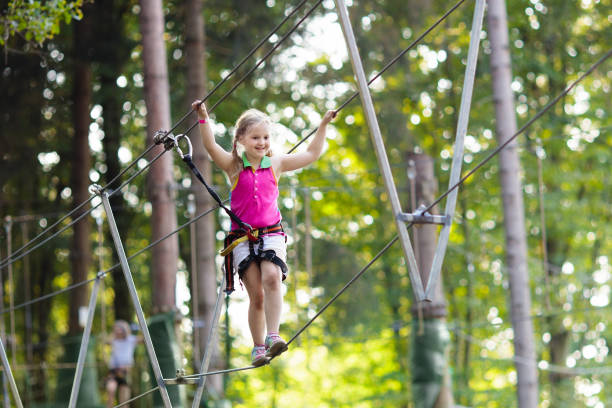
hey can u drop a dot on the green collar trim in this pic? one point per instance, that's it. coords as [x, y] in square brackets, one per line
[265, 162]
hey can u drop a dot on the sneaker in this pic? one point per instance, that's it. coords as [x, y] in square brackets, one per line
[258, 356]
[275, 345]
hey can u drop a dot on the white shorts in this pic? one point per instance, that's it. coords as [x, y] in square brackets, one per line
[276, 243]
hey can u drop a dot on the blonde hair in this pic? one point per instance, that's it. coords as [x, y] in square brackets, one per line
[247, 119]
[124, 326]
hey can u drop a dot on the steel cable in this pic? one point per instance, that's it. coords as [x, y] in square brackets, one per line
[461, 181]
[386, 67]
[11, 258]
[388, 245]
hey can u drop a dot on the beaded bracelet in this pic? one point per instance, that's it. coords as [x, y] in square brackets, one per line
[202, 121]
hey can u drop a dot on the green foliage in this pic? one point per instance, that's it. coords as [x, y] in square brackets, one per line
[37, 21]
[350, 372]
[356, 353]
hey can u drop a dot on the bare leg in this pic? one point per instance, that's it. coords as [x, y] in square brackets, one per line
[124, 393]
[111, 388]
[273, 300]
[253, 284]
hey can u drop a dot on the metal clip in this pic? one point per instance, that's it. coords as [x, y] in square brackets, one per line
[178, 149]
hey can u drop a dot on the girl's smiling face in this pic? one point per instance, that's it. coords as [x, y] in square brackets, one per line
[119, 332]
[256, 142]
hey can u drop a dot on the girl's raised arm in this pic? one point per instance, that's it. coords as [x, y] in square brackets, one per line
[289, 162]
[222, 158]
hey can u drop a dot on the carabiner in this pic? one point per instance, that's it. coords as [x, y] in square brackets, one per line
[178, 149]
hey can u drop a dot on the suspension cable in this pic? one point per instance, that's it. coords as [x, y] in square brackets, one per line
[137, 397]
[389, 64]
[214, 208]
[161, 139]
[261, 61]
[10, 257]
[319, 313]
[390, 243]
[385, 68]
[523, 128]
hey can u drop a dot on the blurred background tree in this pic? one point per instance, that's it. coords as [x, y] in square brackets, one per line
[336, 212]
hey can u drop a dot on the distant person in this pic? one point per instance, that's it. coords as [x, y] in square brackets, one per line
[260, 261]
[121, 361]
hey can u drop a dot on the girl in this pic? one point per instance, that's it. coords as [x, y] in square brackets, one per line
[253, 173]
[122, 359]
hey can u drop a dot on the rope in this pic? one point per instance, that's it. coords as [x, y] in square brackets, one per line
[241, 63]
[12, 259]
[523, 128]
[319, 313]
[137, 397]
[345, 287]
[389, 64]
[187, 158]
[261, 61]
[388, 245]
[461, 181]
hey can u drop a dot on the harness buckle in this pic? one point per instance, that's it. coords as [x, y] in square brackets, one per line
[253, 235]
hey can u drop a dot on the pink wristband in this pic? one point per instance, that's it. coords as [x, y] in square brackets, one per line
[202, 121]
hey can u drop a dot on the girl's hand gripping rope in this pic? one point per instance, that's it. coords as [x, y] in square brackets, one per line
[200, 108]
[328, 117]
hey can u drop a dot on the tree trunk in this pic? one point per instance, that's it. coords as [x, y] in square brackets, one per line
[431, 381]
[558, 346]
[27, 294]
[111, 57]
[468, 318]
[205, 291]
[514, 218]
[45, 272]
[418, 12]
[160, 182]
[80, 254]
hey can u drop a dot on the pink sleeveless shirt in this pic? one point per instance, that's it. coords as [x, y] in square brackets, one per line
[254, 195]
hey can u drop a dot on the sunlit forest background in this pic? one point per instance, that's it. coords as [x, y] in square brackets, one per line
[367, 348]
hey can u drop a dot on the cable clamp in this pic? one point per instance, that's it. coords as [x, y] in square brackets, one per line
[421, 216]
[96, 189]
[181, 379]
[170, 141]
[160, 136]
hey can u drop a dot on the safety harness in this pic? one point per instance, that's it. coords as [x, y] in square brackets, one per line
[234, 237]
